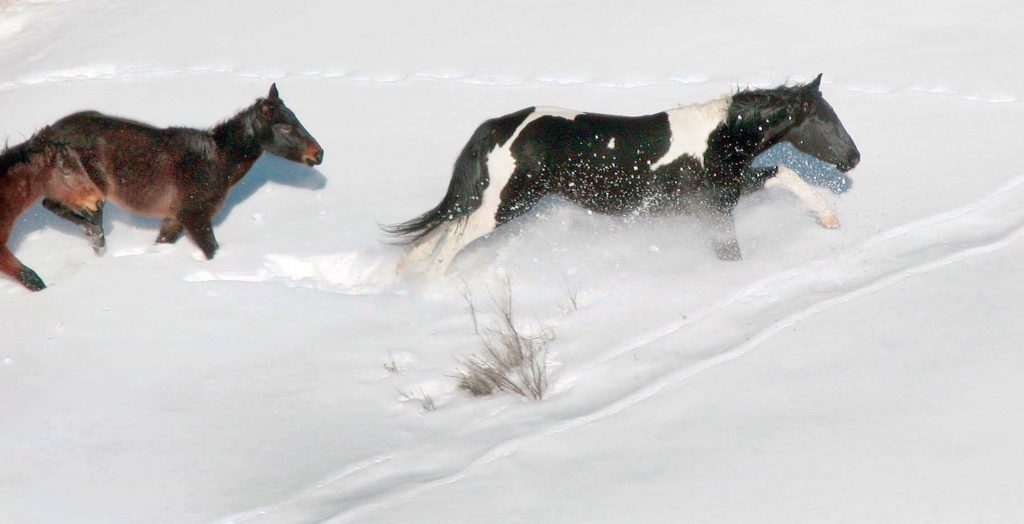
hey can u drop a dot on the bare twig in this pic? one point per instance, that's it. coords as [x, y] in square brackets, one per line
[511, 360]
[425, 401]
[391, 366]
[572, 291]
[467, 295]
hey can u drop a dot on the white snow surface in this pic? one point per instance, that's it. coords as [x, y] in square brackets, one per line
[870, 373]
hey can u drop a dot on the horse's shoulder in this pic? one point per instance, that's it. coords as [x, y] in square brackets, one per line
[712, 109]
[197, 142]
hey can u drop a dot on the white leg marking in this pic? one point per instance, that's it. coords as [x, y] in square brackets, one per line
[788, 179]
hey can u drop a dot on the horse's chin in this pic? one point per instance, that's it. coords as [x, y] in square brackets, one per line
[89, 214]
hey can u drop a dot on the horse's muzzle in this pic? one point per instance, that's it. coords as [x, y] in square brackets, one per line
[849, 164]
[314, 158]
[94, 213]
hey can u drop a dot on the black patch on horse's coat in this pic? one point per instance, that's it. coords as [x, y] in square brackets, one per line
[573, 158]
[469, 179]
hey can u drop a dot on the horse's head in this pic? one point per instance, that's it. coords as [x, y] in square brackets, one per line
[284, 135]
[63, 175]
[818, 131]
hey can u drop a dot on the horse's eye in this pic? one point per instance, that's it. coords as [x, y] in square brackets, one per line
[285, 128]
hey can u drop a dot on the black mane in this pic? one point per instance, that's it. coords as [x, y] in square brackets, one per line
[11, 156]
[757, 120]
[242, 129]
[766, 111]
[755, 102]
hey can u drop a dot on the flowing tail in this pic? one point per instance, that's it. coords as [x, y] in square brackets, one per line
[469, 179]
[464, 191]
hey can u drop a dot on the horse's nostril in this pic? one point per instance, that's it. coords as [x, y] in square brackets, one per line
[319, 156]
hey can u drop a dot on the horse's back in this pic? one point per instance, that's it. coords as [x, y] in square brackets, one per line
[95, 119]
[599, 161]
[139, 166]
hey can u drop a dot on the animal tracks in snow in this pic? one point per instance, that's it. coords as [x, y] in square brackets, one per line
[108, 72]
[353, 273]
[626, 375]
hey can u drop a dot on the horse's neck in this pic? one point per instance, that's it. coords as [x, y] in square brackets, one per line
[236, 140]
[238, 168]
[20, 185]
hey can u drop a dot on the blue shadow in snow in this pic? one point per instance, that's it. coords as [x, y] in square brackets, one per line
[811, 169]
[270, 168]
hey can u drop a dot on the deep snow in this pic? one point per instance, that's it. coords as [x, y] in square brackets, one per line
[860, 374]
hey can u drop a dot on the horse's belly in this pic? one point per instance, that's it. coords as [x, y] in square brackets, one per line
[158, 203]
[152, 200]
[610, 191]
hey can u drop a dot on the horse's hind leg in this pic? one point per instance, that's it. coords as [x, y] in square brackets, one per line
[788, 179]
[451, 238]
[460, 233]
[91, 224]
[170, 231]
[11, 266]
[420, 251]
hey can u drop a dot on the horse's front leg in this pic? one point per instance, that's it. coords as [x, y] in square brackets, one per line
[723, 235]
[720, 227]
[91, 223]
[12, 267]
[198, 223]
[789, 180]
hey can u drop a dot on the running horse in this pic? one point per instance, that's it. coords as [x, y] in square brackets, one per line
[694, 159]
[40, 166]
[179, 174]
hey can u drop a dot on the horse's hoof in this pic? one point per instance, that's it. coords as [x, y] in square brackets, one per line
[729, 251]
[99, 246]
[31, 280]
[829, 221]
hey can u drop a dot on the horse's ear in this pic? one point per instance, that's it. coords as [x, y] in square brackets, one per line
[815, 84]
[273, 92]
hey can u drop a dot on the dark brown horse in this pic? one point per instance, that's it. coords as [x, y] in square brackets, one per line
[40, 167]
[179, 174]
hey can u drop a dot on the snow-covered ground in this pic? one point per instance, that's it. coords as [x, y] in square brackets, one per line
[865, 374]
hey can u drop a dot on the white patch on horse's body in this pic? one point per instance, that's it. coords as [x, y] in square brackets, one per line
[690, 127]
[789, 180]
[611, 143]
[501, 164]
[445, 243]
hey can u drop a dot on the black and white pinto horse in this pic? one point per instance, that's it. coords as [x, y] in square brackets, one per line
[694, 159]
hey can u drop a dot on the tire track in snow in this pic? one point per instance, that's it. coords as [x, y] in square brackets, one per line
[132, 73]
[672, 354]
